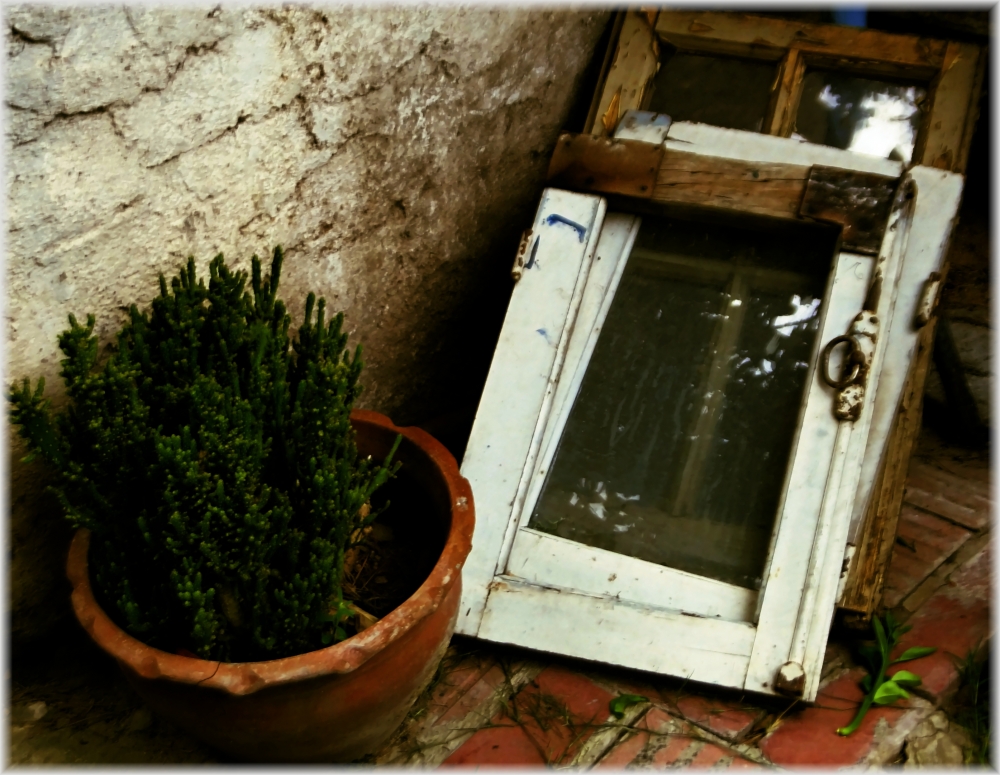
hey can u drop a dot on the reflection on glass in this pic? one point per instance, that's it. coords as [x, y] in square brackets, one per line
[859, 114]
[720, 91]
[676, 447]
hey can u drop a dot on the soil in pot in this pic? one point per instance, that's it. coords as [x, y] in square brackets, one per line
[398, 551]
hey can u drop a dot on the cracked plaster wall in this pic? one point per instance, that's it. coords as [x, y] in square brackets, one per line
[395, 154]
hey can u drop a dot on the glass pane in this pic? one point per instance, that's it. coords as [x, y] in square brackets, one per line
[676, 447]
[859, 114]
[721, 91]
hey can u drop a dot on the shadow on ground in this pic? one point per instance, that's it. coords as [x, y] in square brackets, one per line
[70, 704]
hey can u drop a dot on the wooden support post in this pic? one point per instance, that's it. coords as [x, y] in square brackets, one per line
[866, 579]
[636, 60]
[780, 118]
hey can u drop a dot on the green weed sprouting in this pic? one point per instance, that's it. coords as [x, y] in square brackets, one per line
[882, 689]
[213, 459]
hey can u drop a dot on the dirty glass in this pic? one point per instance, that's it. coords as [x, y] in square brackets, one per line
[860, 114]
[676, 447]
[721, 91]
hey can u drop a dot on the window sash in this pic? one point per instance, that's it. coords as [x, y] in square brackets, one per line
[952, 71]
[524, 572]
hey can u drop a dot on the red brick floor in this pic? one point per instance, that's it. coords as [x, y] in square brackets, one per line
[729, 719]
[962, 499]
[956, 619]
[505, 707]
[923, 542]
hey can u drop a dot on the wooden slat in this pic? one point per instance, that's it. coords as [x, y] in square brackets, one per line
[767, 38]
[898, 411]
[787, 573]
[595, 100]
[754, 147]
[618, 633]
[605, 165]
[521, 379]
[773, 190]
[938, 196]
[954, 110]
[866, 579]
[860, 202]
[548, 560]
[635, 62]
[785, 94]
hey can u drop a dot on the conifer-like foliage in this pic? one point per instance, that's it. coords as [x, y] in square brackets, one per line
[213, 459]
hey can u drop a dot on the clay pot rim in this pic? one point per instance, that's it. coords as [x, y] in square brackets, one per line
[240, 678]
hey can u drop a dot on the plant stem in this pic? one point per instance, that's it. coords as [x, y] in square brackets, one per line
[866, 703]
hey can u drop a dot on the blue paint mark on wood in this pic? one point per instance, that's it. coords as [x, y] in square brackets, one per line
[531, 258]
[555, 218]
[544, 333]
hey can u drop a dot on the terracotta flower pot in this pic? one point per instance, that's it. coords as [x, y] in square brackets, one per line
[332, 705]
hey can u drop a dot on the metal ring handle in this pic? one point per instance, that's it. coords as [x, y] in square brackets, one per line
[825, 361]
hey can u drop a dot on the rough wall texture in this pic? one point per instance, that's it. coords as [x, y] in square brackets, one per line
[395, 154]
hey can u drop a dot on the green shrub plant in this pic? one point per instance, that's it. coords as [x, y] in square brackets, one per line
[212, 458]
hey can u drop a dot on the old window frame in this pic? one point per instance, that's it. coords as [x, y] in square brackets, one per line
[501, 459]
[952, 71]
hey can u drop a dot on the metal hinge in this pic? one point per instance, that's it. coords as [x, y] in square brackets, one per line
[519, 261]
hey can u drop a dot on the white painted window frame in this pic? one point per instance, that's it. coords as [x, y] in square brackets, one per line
[528, 588]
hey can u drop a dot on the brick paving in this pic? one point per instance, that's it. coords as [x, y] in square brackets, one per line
[923, 542]
[508, 707]
[957, 497]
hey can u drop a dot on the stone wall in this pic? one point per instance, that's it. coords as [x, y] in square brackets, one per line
[395, 154]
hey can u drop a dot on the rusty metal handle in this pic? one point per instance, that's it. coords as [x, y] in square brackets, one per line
[854, 357]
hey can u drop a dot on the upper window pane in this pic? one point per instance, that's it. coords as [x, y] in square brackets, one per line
[860, 114]
[676, 447]
[721, 91]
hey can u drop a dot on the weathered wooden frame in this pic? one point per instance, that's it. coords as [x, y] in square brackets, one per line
[952, 71]
[752, 175]
[679, 175]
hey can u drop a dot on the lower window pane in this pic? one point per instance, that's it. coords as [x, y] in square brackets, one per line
[676, 447]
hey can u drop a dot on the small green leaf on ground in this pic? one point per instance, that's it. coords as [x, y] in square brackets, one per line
[623, 702]
[889, 692]
[915, 653]
[906, 678]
